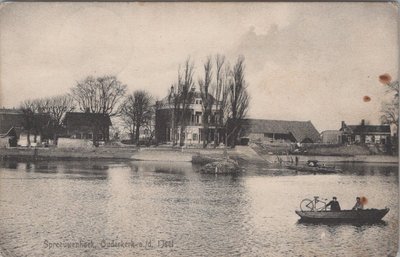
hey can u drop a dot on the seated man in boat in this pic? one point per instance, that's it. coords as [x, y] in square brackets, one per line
[358, 205]
[334, 204]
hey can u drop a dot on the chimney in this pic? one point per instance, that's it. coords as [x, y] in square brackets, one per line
[343, 124]
[362, 122]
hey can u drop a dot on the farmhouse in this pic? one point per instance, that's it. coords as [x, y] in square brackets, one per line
[279, 131]
[84, 125]
[365, 134]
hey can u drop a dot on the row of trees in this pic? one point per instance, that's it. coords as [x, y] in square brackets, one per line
[45, 115]
[222, 87]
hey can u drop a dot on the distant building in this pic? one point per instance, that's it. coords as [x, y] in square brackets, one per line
[279, 131]
[165, 117]
[84, 125]
[331, 136]
[11, 125]
[365, 134]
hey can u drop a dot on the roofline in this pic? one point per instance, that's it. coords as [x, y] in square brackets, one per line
[278, 120]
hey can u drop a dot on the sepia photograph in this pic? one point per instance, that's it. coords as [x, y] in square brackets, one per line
[199, 129]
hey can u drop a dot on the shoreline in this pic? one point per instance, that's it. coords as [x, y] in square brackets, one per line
[194, 155]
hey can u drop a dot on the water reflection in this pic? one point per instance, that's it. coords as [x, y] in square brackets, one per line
[206, 215]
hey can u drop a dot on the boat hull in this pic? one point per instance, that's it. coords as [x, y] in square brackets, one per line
[368, 215]
[314, 169]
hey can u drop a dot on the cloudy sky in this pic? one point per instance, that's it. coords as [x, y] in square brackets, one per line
[304, 61]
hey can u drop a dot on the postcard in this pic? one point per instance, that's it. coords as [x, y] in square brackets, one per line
[199, 129]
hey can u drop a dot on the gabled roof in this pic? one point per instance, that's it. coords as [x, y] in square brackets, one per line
[300, 130]
[357, 129]
[87, 119]
[10, 133]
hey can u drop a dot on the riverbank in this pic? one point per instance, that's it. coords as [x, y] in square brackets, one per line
[332, 159]
[67, 153]
[195, 155]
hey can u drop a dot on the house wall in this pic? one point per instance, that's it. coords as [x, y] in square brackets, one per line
[331, 137]
[86, 132]
[269, 138]
[4, 142]
[23, 140]
[370, 138]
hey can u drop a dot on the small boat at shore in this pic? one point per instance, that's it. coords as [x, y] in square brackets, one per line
[367, 215]
[314, 167]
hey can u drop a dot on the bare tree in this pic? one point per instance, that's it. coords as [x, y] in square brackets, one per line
[99, 95]
[58, 106]
[238, 99]
[220, 96]
[28, 109]
[137, 109]
[45, 115]
[185, 96]
[390, 109]
[174, 102]
[207, 100]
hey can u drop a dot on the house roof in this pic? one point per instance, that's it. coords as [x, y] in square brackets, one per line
[87, 119]
[369, 129]
[10, 118]
[301, 130]
[197, 95]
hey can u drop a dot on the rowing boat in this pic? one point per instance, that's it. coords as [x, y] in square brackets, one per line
[367, 215]
[324, 170]
[314, 167]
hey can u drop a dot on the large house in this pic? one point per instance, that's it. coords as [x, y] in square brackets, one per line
[85, 125]
[167, 117]
[365, 134]
[279, 131]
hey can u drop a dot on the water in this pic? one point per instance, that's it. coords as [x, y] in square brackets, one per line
[196, 215]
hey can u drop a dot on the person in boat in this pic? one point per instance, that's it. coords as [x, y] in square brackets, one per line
[359, 205]
[334, 204]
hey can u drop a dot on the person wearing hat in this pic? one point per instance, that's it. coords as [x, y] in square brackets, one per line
[334, 204]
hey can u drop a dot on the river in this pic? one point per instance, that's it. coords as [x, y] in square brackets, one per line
[82, 208]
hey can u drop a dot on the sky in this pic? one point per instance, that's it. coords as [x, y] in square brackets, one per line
[304, 61]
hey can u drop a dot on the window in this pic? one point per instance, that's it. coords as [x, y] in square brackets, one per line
[195, 137]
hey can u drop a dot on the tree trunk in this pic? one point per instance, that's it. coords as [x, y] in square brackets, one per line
[28, 138]
[182, 137]
[137, 133]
